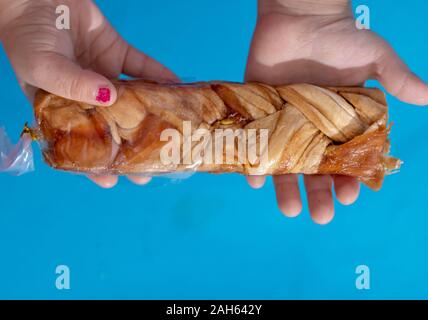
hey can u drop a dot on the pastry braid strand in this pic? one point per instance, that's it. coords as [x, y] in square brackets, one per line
[307, 129]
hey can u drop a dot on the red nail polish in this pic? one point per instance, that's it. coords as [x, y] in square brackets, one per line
[103, 95]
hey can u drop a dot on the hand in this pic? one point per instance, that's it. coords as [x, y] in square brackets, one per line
[76, 63]
[305, 41]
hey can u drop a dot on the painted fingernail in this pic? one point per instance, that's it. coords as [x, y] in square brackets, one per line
[103, 95]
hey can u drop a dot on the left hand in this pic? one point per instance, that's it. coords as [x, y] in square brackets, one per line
[324, 49]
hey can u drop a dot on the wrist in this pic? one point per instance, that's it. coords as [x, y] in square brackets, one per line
[305, 7]
[10, 10]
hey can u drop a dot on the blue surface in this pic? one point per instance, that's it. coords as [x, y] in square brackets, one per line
[212, 236]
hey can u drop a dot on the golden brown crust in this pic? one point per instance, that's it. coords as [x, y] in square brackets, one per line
[310, 129]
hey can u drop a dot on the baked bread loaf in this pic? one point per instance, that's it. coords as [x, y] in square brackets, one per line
[298, 128]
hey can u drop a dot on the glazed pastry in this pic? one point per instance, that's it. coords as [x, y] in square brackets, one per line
[298, 128]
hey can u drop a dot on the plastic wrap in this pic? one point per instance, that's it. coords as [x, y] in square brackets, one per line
[16, 159]
[219, 127]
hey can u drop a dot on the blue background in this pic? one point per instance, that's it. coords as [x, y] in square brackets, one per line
[212, 236]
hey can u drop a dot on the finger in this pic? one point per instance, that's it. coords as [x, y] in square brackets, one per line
[256, 182]
[29, 90]
[139, 179]
[139, 65]
[104, 181]
[346, 188]
[61, 76]
[400, 81]
[320, 198]
[288, 194]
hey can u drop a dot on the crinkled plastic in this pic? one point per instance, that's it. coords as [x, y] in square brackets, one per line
[15, 159]
[249, 128]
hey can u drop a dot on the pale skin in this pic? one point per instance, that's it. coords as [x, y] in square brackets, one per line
[317, 42]
[73, 63]
[294, 41]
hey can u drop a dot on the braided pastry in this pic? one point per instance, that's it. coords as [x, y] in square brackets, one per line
[299, 128]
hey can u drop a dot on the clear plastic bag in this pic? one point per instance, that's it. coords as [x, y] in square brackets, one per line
[16, 159]
[166, 128]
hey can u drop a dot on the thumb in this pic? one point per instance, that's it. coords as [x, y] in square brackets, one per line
[59, 75]
[400, 81]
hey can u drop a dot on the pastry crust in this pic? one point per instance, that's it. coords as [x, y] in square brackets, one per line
[307, 129]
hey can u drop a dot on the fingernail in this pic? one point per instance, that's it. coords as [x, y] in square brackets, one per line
[103, 95]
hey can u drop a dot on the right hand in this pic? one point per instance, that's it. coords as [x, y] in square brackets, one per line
[76, 63]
